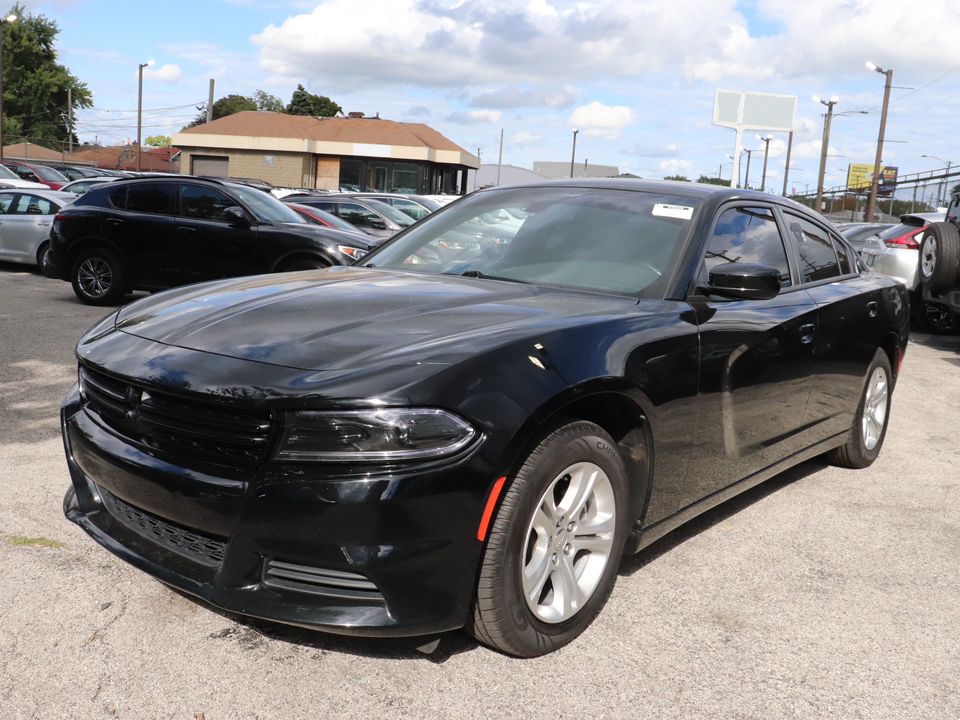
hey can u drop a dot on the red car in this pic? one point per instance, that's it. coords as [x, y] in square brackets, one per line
[39, 174]
[316, 216]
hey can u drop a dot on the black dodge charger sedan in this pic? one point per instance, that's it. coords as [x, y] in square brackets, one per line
[453, 434]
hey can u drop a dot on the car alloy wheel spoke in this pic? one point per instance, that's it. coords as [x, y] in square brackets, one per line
[95, 277]
[875, 409]
[569, 542]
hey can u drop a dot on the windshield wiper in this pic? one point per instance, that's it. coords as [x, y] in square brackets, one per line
[484, 276]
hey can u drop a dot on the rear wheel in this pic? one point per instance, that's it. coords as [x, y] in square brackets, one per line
[870, 423]
[42, 253]
[554, 547]
[935, 318]
[98, 277]
[939, 257]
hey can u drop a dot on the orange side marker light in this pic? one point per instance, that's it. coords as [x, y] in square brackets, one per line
[488, 510]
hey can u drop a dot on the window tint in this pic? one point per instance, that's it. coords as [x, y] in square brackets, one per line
[358, 215]
[203, 203]
[747, 235]
[5, 200]
[118, 198]
[150, 198]
[818, 259]
[846, 264]
[33, 205]
[25, 173]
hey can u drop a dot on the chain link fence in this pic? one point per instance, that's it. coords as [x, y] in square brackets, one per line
[917, 193]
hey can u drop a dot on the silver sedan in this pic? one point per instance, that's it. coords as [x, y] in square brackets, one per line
[25, 220]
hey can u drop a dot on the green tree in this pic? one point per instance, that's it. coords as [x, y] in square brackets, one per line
[227, 105]
[266, 102]
[160, 141]
[35, 85]
[306, 103]
[713, 181]
[682, 178]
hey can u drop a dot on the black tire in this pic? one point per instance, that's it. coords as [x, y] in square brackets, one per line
[939, 261]
[306, 264]
[935, 318]
[870, 423]
[42, 253]
[545, 535]
[98, 277]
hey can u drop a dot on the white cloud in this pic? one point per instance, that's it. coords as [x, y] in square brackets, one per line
[166, 74]
[524, 138]
[598, 120]
[475, 117]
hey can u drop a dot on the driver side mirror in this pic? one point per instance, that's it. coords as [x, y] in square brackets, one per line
[236, 216]
[378, 224]
[744, 281]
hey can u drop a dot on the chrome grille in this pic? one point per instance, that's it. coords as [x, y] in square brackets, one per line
[187, 430]
[319, 581]
[201, 549]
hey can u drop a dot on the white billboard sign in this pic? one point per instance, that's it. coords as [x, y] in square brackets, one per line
[741, 111]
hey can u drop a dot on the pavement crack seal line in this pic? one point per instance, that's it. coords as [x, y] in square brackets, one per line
[111, 621]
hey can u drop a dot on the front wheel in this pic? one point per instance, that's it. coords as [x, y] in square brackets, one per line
[935, 318]
[870, 423]
[554, 547]
[98, 277]
[306, 264]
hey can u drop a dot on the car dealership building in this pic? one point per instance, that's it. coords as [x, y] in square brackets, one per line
[329, 153]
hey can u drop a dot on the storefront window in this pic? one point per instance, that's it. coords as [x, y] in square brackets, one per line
[351, 174]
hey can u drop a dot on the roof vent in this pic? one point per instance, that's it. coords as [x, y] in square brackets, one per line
[355, 114]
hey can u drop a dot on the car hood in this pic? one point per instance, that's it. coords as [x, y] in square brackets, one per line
[24, 184]
[353, 317]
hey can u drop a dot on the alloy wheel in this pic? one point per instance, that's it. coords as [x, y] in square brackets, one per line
[569, 542]
[875, 408]
[95, 277]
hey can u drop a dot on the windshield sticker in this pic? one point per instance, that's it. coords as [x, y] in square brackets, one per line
[674, 211]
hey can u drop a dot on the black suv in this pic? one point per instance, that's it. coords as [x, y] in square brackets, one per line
[154, 233]
[939, 268]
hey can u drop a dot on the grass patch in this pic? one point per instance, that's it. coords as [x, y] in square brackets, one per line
[35, 542]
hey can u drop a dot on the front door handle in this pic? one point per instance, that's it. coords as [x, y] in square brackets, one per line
[807, 332]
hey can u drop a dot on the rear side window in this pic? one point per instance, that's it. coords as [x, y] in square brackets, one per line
[118, 198]
[33, 205]
[818, 257]
[5, 201]
[150, 198]
[747, 235]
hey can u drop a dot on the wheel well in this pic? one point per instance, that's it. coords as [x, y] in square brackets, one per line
[891, 346]
[627, 424]
[83, 246]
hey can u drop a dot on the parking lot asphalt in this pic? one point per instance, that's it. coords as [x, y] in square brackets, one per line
[822, 593]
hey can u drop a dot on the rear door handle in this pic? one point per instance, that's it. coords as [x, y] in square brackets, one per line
[114, 221]
[807, 333]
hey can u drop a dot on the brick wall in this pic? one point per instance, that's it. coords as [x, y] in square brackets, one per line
[287, 170]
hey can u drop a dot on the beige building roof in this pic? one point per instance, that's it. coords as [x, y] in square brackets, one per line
[361, 137]
[28, 151]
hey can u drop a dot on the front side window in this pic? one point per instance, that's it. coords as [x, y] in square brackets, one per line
[359, 215]
[747, 235]
[598, 240]
[152, 198]
[818, 258]
[25, 173]
[204, 203]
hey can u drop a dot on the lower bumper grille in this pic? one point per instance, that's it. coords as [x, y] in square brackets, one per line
[319, 581]
[199, 548]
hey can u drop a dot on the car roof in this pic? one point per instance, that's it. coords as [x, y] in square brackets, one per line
[49, 194]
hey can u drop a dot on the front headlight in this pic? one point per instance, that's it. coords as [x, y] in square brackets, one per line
[365, 435]
[354, 253]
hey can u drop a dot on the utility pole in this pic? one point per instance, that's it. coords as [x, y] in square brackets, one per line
[210, 103]
[823, 147]
[70, 118]
[877, 172]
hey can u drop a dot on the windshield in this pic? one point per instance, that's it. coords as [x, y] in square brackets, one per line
[49, 174]
[8, 174]
[391, 213]
[602, 240]
[265, 207]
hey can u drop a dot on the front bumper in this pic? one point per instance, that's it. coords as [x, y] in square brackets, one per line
[375, 551]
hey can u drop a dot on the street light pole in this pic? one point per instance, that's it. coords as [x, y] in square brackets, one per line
[746, 180]
[140, 108]
[823, 148]
[875, 185]
[766, 152]
[940, 186]
[574, 155]
[3, 21]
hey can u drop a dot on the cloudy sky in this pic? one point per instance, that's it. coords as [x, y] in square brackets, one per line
[636, 77]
